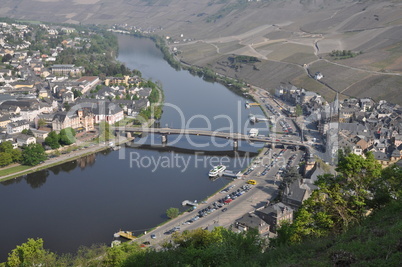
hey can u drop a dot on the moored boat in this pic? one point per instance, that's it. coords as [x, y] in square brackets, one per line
[217, 171]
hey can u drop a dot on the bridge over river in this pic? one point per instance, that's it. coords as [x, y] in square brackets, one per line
[228, 135]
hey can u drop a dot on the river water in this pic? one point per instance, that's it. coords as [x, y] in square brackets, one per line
[85, 201]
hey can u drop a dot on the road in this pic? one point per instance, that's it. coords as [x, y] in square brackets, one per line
[265, 190]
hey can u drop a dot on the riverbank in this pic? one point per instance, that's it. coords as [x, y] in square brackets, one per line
[88, 148]
[51, 162]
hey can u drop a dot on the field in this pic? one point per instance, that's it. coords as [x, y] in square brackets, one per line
[378, 87]
[338, 77]
[310, 84]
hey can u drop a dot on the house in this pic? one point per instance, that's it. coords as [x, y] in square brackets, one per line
[107, 111]
[68, 97]
[382, 158]
[40, 134]
[24, 140]
[87, 83]
[296, 193]
[398, 140]
[7, 138]
[43, 93]
[144, 92]
[17, 126]
[252, 221]
[66, 69]
[275, 214]
[4, 120]
[318, 76]
[80, 118]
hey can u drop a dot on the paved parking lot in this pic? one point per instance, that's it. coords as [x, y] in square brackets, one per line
[256, 196]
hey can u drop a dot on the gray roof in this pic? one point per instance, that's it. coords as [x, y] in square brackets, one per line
[276, 208]
[380, 156]
[295, 191]
[251, 220]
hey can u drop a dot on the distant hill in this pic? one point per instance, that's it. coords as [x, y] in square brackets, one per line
[290, 37]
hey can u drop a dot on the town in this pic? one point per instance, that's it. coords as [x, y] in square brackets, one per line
[41, 98]
[53, 104]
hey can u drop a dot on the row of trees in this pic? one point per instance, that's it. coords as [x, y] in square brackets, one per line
[342, 54]
[359, 187]
[64, 138]
[9, 155]
[29, 155]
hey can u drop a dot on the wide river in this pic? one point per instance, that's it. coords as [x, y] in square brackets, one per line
[85, 201]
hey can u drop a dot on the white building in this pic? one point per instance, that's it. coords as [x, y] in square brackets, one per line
[17, 126]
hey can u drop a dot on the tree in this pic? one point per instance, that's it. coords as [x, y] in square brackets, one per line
[291, 176]
[31, 253]
[5, 159]
[172, 212]
[41, 123]
[298, 110]
[77, 93]
[33, 154]
[6, 147]
[67, 136]
[16, 155]
[52, 140]
[6, 58]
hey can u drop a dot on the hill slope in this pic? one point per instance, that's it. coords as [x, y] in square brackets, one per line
[290, 37]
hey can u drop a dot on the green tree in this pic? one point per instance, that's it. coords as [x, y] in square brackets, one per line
[6, 147]
[41, 123]
[52, 140]
[16, 155]
[115, 256]
[67, 136]
[33, 154]
[5, 159]
[388, 187]
[31, 253]
[77, 93]
[172, 212]
[298, 110]
[291, 175]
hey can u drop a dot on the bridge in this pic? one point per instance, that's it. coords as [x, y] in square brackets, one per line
[228, 135]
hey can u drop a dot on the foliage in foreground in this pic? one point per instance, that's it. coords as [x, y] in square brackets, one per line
[377, 241]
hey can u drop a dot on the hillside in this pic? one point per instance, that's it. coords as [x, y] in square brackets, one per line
[290, 37]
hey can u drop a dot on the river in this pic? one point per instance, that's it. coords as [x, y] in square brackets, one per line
[85, 201]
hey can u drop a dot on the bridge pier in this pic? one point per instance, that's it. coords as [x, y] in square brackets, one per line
[164, 138]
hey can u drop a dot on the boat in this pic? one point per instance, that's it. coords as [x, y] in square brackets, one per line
[125, 234]
[217, 171]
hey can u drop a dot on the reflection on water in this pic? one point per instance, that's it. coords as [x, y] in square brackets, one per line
[37, 179]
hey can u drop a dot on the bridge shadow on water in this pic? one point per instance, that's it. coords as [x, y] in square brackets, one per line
[165, 148]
